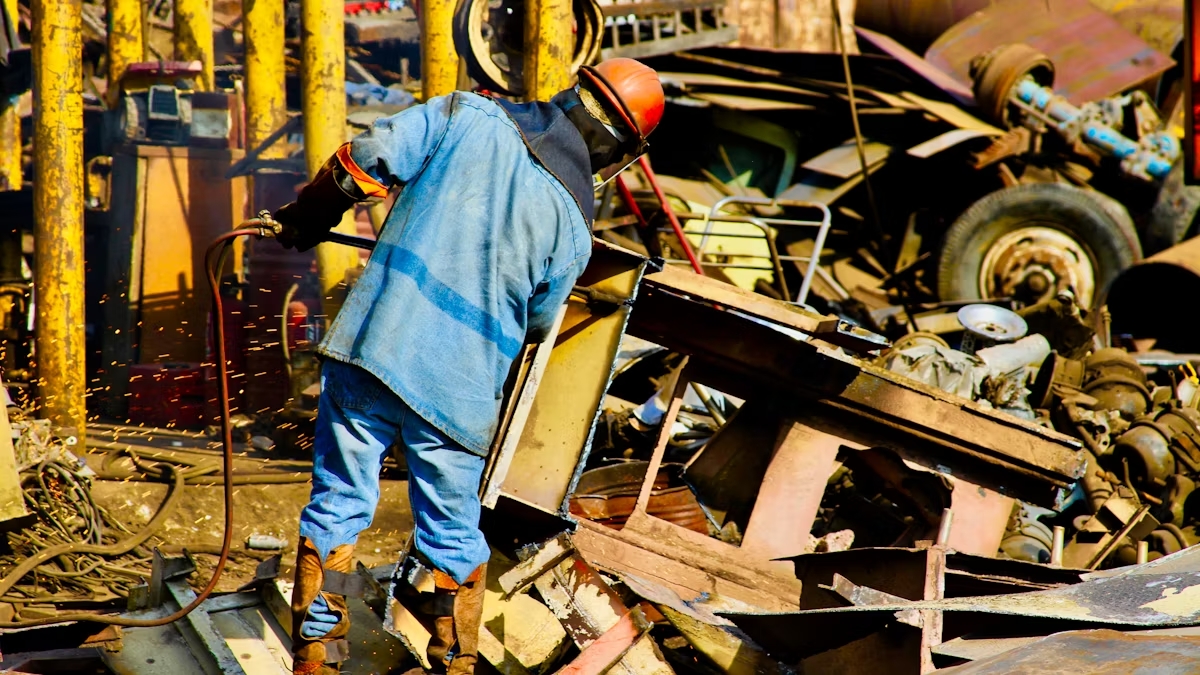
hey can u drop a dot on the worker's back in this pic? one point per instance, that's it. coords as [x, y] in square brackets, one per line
[484, 244]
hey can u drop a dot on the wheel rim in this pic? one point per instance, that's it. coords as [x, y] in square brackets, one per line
[1033, 263]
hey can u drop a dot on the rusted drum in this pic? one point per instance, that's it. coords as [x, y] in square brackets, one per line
[1155, 299]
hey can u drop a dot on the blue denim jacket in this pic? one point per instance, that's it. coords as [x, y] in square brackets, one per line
[479, 252]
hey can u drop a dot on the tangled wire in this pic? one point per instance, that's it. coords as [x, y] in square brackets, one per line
[58, 490]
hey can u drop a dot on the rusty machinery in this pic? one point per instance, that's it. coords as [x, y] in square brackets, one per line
[1143, 450]
[1014, 87]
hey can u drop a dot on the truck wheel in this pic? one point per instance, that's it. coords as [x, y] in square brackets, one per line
[1029, 242]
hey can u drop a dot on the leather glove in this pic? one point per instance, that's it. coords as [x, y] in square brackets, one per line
[318, 208]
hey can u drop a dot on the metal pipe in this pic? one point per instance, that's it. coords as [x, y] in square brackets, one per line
[549, 47]
[266, 98]
[58, 211]
[644, 162]
[439, 60]
[194, 36]
[1143, 552]
[323, 83]
[1056, 545]
[10, 131]
[126, 43]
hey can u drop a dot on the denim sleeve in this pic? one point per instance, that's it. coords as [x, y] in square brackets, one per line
[548, 297]
[395, 149]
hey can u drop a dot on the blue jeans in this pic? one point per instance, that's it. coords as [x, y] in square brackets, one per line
[358, 418]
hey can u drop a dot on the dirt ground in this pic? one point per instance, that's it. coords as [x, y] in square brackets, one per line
[258, 509]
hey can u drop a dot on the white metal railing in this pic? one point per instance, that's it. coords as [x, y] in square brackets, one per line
[768, 226]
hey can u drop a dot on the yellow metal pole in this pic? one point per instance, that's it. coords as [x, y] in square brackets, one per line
[194, 36]
[549, 43]
[10, 145]
[323, 83]
[10, 131]
[266, 99]
[58, 210]
[126, 42]
[439, 61]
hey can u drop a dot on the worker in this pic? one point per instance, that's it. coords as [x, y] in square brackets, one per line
[490, 231]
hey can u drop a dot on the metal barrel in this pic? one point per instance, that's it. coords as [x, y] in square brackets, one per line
[1154, 298]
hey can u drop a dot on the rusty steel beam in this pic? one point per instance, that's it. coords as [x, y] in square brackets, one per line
[58, 211]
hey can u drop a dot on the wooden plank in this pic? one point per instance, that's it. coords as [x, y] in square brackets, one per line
[588, 609]
[548, 556]
[619, 553]
[604, 652]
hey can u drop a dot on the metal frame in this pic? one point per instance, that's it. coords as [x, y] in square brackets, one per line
[766, 224]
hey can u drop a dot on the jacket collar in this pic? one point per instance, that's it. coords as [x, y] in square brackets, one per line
[555, 142]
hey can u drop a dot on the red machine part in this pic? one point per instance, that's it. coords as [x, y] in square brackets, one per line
[1191, 92]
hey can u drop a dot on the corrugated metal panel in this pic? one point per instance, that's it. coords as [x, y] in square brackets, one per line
[1093, 55]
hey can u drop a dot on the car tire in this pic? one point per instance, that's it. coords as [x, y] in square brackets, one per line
[1098, 224]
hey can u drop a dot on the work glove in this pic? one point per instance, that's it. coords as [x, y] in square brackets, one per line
[318, 208]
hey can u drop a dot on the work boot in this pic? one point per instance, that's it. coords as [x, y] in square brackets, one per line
[321, 655]
[455, 642]
[452, 613]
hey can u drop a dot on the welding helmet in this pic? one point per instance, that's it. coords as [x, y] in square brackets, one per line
[632, 99]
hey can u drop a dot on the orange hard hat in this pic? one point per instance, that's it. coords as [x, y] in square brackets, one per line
[632, 89]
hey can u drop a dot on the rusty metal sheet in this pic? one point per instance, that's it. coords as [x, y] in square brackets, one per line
[843, 162]
[1094, 56]
[1148, 600]
[915, 24]
[1096, 652]
[934, 75]
[556, 437]
[945, 141]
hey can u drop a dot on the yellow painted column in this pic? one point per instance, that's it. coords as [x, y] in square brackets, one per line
[10, 145]
[58, 210]
[266, 98]
[194, 36]
[10, 132]
[323, 84]
[549, 43]
[439, 61]
[126, 42]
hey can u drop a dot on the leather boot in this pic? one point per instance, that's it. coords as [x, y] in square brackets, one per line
[451, 612]
[320, 656]
[454, 646]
